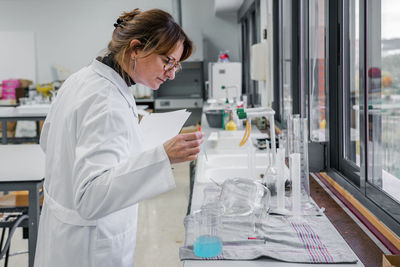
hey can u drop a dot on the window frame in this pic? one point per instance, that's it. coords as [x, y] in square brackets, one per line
[379, 197]
[249, 17]
[296, 95]
[347, 167]
[276, 104]
[344, 171]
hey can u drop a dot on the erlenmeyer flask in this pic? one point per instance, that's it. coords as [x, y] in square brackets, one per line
[271, 174]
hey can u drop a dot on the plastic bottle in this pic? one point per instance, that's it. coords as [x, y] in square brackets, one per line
[223, 56]
[230, 126]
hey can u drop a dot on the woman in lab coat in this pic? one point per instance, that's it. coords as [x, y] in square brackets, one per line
[96, 168]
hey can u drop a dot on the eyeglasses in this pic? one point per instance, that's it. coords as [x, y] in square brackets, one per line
[171, 64]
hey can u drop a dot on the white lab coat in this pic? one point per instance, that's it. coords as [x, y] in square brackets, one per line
[96, 173]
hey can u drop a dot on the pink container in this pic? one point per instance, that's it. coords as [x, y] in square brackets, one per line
[8, 89]
[12, 83]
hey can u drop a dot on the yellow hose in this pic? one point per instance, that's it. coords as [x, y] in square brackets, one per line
[246, 133]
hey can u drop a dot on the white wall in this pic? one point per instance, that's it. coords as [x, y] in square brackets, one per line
[210, 33]
[72, 33]
[69, 33]
[17, 55]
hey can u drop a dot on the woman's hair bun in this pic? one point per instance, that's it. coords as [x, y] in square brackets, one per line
[155, 29]
[127, 16]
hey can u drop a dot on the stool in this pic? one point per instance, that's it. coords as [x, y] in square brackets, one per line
[10, 220]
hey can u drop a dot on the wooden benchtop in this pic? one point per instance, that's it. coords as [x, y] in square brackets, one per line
[368, 252]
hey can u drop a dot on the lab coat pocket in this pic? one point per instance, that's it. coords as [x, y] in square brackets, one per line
[102, 254]
[124, 248]
[117, 250]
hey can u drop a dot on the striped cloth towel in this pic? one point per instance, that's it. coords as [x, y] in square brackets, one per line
[308, 239]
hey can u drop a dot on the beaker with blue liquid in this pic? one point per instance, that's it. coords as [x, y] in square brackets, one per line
[207, 243]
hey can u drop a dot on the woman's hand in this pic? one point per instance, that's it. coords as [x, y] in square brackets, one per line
[184, 147]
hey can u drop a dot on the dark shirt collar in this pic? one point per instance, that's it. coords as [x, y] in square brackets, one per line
[110, 61]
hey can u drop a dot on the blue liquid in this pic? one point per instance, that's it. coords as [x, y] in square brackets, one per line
[207, 246]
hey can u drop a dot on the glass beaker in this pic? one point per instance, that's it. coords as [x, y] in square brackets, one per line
[207, 243]
[240, 196]
[211, 194]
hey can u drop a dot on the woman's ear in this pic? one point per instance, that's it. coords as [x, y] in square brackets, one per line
[134, 46]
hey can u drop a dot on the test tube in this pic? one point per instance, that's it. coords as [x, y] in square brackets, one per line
[283, 140]
[296, 127]
[280, 181]
[290, 134]
[289, 137]
[294, 163]
[304, 171]
[298, 143]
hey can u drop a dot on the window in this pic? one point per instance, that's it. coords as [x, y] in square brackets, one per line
[348, 58]
[351, 85]
[367, 121]
[348, 99]
[383, 91]
[318, 96]
[286, 42]
[250, 35]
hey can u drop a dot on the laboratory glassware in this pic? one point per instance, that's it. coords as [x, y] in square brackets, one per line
[241, 196]
[280, 182]
[272, 173]
[211, 194]
[298, 143]
[207, 243]
[294, 162]
[282, 141]
[290, 134]
[204, 149]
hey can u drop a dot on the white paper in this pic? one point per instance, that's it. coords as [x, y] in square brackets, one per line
[157, 128]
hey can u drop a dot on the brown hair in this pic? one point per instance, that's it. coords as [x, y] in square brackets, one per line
[155, 29]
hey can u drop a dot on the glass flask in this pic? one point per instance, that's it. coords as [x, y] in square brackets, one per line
[272, 174]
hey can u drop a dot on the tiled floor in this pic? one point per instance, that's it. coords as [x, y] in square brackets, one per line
[160, 229]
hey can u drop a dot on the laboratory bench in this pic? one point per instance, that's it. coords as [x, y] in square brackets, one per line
[29, 178]
[16, 114]
[36, 113]
[145, 101]
[360, 244]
